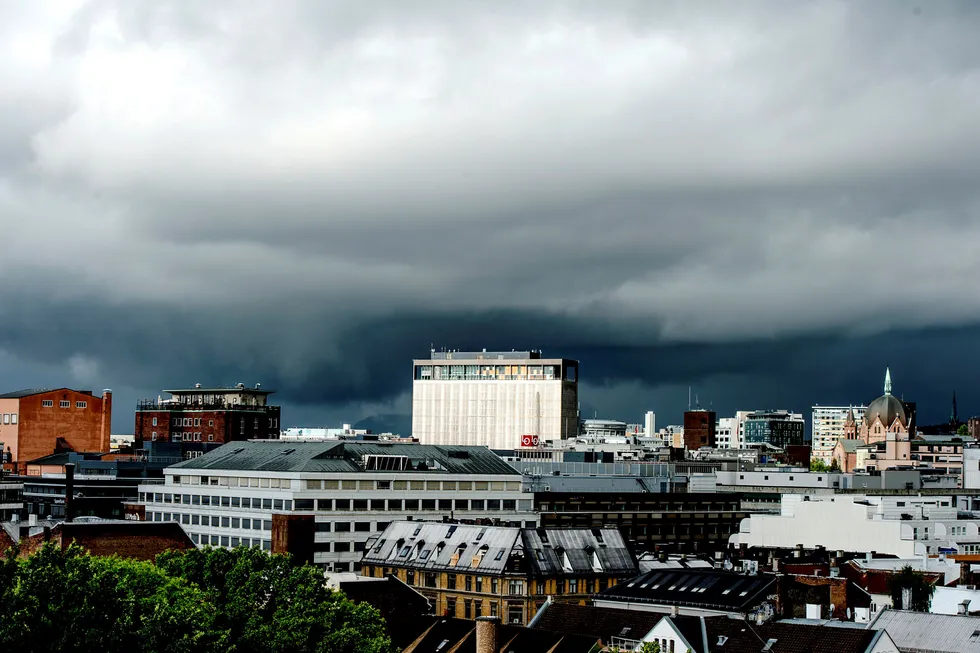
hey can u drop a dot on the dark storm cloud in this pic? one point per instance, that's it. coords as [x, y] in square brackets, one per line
[308, 194]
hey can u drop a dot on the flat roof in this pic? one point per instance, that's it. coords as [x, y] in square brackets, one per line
[341, 456]
[254, 391]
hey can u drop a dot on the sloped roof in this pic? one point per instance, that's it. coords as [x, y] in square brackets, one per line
[744, 637]
[340, 457]
[459, 636]
[29, 392]
[850, 445]
[924, 631]
[406, 612]
[708, 589]
[496, 549]
[603, 623]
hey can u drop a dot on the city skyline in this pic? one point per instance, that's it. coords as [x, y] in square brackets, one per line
[767, 203]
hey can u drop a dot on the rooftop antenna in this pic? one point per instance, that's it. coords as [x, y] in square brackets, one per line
[688, 398]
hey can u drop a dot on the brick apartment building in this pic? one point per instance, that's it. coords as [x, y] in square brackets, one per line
[39, 422]
[215, 415]
[699, 429]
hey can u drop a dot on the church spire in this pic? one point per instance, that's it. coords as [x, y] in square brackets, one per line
[954, 418]
[888, 381]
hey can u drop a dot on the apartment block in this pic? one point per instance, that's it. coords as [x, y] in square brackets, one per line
[827, 427]
[215, 415]
[344, 492]
[470, 571]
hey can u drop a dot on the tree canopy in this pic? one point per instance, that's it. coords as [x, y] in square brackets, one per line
[910, 590]
[210, 600]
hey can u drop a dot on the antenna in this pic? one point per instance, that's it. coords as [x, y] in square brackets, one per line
[688, 398]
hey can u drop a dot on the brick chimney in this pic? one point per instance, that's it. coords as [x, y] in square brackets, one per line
[106, 428]
[486, 634]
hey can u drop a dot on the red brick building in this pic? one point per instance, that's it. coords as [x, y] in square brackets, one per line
[699, 429]
[36, 423]
[214, 415]
[128, 539]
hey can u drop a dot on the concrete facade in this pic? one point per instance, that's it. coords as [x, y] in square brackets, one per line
[494, 399]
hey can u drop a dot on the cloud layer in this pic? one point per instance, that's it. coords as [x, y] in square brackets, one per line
[311, 193]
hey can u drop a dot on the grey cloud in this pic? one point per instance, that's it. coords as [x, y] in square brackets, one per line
[312, 192]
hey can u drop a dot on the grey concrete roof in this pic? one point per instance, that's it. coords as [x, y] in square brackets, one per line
[340, 457]
[702, 588]
[495, 550]
[19, 394]
[923, 631]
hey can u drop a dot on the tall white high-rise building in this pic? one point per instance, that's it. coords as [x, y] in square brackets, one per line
[502, 400]
[730, 432]
[827, 427]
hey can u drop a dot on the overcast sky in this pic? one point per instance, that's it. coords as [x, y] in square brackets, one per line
[767, 201]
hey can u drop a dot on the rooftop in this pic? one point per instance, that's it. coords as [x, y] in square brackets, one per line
[925, 631]
[346, 457]
[501, 549]
[706, 589]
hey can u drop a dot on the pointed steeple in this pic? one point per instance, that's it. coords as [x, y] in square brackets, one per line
[954, 418]
[888, 381]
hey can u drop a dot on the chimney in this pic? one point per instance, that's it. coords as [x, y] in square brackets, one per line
[675, 611]
[486, 634]
[963, 608]
[69, 489]
[106, 428]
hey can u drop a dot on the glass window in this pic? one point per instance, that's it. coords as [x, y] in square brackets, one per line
[342, 527]
[428, 504]
[362, 527]
[360, 505]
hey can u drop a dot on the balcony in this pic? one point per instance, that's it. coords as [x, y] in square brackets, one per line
[171, 406]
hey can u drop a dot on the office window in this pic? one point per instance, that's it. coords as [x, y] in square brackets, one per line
[81, 404]
[65, 404]
[341, 547]
[47, 403]
[342, 504]
[362, 527]
[342, 527]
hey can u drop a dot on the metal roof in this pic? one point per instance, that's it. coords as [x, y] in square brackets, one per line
[346, 457]
[30, 392]
[498, 549]
[924, 631]
[707, 589]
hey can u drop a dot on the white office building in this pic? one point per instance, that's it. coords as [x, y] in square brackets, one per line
[903, 525]
[500, 400]
[827, 427]
[350, 490]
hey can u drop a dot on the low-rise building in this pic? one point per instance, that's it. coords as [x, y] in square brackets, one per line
[39, 422]
[337, 494]
[471, 571]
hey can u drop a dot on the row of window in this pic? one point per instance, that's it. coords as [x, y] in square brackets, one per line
[252, 503]
[431, 486]
[228, 541]
[491, 585]
[187, 436]
[213, 521]
[341, 505]
[10, 418]
[233, 481]
[49, 403]
[338, 547]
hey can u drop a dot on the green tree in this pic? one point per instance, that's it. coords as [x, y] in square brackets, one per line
[270, 605]
[910, 590]
[834, 466]
[963, 431]
[817, 465]
[69, 601]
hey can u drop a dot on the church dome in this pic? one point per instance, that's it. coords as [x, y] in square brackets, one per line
[887, 407]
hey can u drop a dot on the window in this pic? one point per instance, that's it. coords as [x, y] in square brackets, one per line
[197, 421]
[47, 403]
[154, 436]
[154, 421]
[341, 547]
[13, 418]
[479, 583]
[81, 404]
[210, 422]
[572, 586]
[477, 608]
[493, 586]
[409, 577]
[469, 583]
[451, 606]
[467, 608]
[210, 437]
[451, 582]
[64, 403]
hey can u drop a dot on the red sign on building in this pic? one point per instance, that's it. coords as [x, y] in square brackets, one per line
[529, 440]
